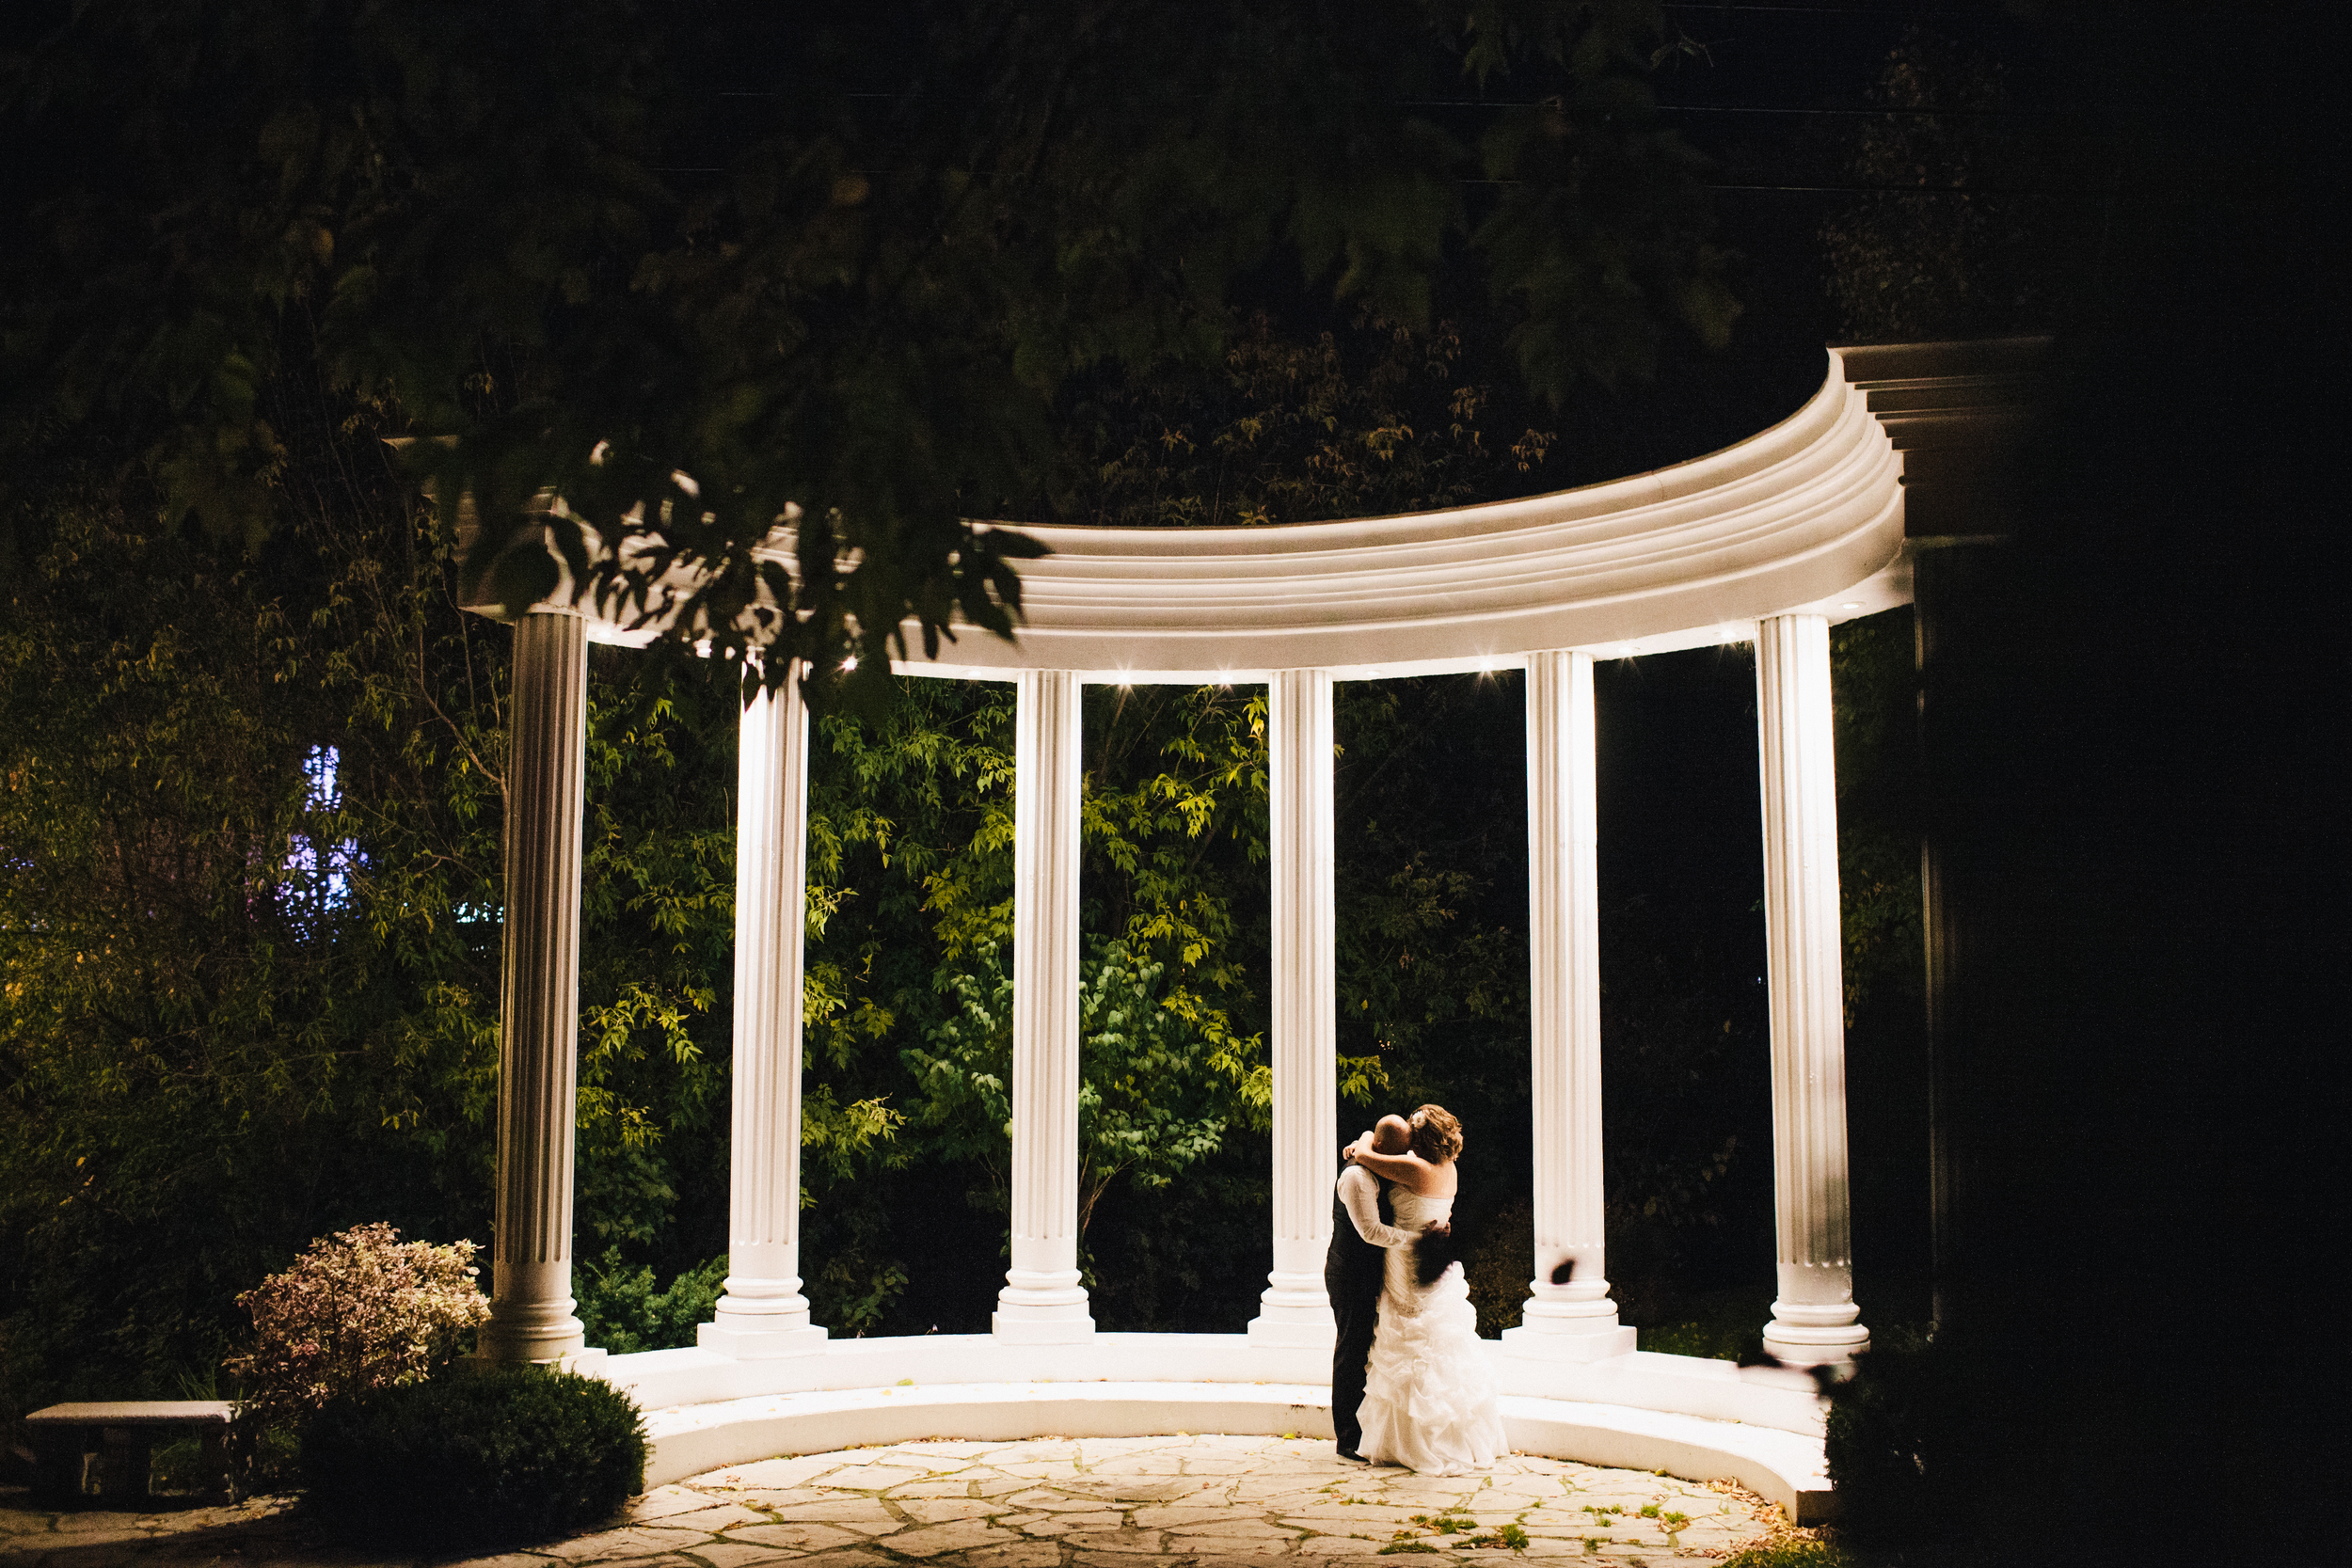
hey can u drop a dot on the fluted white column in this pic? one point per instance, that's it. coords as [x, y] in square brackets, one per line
[1042, 1302]
[530, 1249]
[1574, 1319]
[1295, 1310]
[763, 1313]
[1815, 1319]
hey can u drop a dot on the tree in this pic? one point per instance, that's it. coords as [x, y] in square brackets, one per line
[535, 238]
[248, 860]
[1952, 241]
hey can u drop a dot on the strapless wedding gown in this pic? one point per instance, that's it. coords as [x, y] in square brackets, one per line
[1429, 1394]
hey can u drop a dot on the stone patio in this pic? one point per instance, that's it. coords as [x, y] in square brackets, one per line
[1122, 1502]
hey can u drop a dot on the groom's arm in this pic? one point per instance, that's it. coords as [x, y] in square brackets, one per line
[1361, 1195]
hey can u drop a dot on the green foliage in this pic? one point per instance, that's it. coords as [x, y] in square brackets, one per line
[624, 1312]
[852, 303]
[1792, 1552]
[1949, 243]
[480, 1457]
[1716, 1340]
[244, 1012]
[245, 1009]
[1153, 1080]
[1873, 666]
[1891, 1438]
[1375, 417]
[1498, 1268]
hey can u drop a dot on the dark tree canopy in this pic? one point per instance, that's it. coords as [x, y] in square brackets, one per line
[699, 269]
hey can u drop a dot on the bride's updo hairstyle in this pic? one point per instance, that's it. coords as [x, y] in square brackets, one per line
[1437, 1136]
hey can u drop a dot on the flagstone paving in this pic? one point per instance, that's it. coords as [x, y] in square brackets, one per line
[1124, 1502]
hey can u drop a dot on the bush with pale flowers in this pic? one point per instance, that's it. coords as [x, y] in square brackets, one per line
[360, 1310]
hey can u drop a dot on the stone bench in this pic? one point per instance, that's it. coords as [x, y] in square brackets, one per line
[123, 1434]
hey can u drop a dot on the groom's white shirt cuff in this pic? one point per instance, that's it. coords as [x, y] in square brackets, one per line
[1360, 1194]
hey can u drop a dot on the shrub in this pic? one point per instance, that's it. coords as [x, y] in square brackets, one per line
[623, 1313]
[1888, 1440]
[501, 1454]
[358, 1311]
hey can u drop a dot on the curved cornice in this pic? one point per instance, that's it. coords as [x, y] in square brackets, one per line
[1794, 518]
[1805, 516]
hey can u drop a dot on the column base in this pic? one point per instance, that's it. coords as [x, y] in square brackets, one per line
[741, 1340]
[588, 1359]
[1575, 1322]
[1570, 1344]
[1040, 1331]
[760, 1318]
[540, 1332]
[1041, 1308]
[1295, 1311]
[1815, 1334]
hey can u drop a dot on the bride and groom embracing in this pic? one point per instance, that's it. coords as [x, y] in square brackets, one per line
[1409, 1381]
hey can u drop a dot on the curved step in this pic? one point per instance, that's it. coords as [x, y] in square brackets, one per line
[690, 1439]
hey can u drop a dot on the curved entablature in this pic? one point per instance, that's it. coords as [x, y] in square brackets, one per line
[1804, 516]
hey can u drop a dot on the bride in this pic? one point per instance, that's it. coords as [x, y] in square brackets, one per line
[1429, 1395]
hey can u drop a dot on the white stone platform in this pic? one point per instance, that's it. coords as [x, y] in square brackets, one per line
[1686, 1416]
[1177, 1502]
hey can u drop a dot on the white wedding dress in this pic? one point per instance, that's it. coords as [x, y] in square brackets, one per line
[1429, 1395]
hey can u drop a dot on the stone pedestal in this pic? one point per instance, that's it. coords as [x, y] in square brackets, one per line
[1815, 1319]
[1042, 1302]
[1295, 1310]
[763, 1313]
[1575, 1320]
[530, 1298]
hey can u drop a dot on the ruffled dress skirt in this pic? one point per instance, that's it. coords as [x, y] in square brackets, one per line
[1429, 1394]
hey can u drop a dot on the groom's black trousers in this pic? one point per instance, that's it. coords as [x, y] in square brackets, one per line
[1356, 1304]
[1351, 1277]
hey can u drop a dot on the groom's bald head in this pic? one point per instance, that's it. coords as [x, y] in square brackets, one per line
[1392, 1135]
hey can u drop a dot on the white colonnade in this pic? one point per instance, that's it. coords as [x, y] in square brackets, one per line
[1571, 1317]
[763, 1313]
[1770, 539]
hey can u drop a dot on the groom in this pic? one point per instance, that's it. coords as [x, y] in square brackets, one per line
[1362, 1235]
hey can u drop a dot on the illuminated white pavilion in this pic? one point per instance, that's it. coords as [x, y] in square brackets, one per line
[1770, 541]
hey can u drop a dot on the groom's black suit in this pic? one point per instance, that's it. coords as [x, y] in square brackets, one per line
[1351, 1276]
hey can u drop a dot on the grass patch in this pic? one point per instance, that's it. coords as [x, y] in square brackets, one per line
[1510, 1536]
[1790, 1553]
